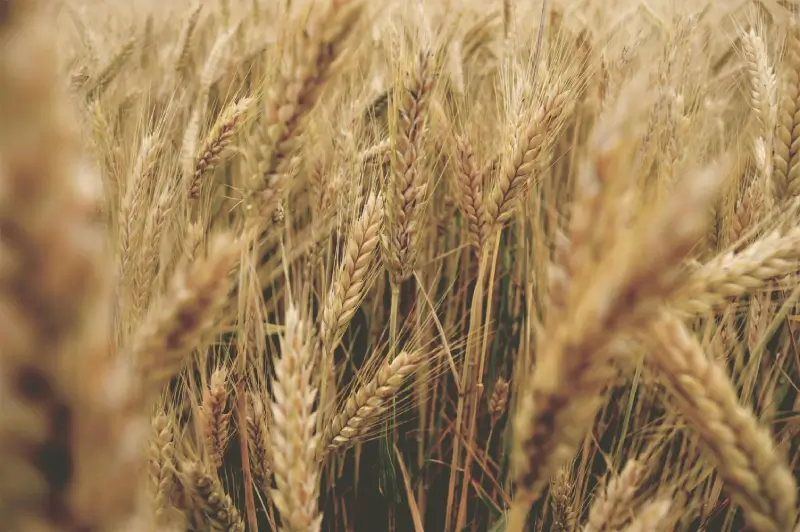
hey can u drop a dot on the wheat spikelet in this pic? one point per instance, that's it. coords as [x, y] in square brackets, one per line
[498, 402]
[747, 213]
[380, 152]
[653, 517]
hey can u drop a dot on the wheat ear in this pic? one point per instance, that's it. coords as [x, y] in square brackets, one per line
[174, 327]
[67, 426]
[532, 137]
[183, 47]
[293, 431]
[565, 388]
[786, 160]
[306, 72]
[731, 275]
[612, 507]
[133, 201]
[217, 142]
[215, 416]
[259, 441]
[763, 94]
[353, 276]
[163, 472]
[755, 475]
[407, 186]
[209, 497]
[363, 407]
[104, 78]
[467, 185]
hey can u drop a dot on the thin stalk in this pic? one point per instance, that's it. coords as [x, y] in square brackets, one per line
[249, 499]
[478, 392]
[393, 318]
[474, 327]
[421, 382]
[393, 315]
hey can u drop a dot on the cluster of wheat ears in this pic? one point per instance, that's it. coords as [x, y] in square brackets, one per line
[458, 265]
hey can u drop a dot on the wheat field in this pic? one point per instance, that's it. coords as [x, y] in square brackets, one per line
[399, 265]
